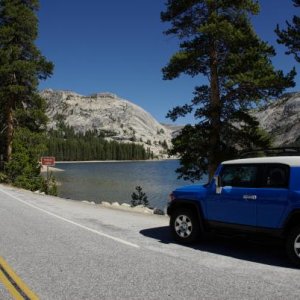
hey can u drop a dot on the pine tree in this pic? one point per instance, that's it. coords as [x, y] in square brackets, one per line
[21, 67]
[23, 169]
[290, 36]
[218, 42]
[65, 144]
[139, 197]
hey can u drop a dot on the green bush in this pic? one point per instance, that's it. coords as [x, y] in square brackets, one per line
[23, 170]
[50, 186]
[3, 178]
[139, 198]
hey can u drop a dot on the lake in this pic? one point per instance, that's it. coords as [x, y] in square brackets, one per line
[116, 181]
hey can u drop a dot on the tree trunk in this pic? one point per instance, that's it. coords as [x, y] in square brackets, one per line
[9, 130]
[215, 114]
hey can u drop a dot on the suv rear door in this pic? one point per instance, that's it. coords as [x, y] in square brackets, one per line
[272, 195]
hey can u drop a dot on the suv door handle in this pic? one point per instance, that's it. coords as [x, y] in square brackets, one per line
[249, 197]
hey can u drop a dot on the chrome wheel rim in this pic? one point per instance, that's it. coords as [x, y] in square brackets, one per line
[183, 226]
[297, 245]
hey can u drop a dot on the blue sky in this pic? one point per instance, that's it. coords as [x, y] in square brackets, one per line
[118, 46]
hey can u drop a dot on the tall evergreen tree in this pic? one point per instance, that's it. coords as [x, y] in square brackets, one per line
[21, 67]
[290, 36]
[22, 110]
[218, 42]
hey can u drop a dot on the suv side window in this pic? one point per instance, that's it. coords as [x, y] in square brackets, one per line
[276, 176]
[239, 175]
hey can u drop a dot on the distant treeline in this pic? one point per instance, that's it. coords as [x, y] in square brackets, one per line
[66, 145]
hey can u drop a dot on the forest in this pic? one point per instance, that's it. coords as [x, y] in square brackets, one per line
[67, 145]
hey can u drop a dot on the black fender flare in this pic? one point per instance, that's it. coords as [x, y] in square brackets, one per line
[292, 219]
[187, 203]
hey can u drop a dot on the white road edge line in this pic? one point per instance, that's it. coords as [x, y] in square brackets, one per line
[71, 222]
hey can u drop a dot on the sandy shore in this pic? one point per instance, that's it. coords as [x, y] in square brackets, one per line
[54, 169]
[111, 161]
[51, 169]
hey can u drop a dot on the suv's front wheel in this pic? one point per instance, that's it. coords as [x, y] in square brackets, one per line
[184, 226]
[293, 245]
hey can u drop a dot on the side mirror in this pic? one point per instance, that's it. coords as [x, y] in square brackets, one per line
[218, 184]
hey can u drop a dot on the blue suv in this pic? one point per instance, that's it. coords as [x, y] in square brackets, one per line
[249, 196]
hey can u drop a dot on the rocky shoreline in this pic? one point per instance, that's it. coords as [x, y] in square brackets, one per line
[127, 207]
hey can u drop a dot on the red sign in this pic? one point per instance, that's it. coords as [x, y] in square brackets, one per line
[48, 161]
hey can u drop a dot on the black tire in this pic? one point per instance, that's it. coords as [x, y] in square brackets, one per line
[184, 225]
[293, 246]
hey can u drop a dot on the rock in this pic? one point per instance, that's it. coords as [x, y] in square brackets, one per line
[127, 207]
[116, 118]
[142, 209]
[88, 202]
[148, 210]
[158, 211]
[139, 206]
[123, 121]
[281, 119]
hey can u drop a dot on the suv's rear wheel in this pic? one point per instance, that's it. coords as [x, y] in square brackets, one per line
[293, 245]
[184, 226]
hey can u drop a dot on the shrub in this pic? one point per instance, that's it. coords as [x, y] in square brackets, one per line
[3, 178]
[23, 170]
[139, 198]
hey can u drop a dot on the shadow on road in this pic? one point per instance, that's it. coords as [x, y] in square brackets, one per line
[261, 251]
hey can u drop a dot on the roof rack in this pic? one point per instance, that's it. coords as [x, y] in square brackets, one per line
[279, 151]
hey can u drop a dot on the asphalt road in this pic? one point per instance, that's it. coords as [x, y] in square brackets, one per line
[64, 249]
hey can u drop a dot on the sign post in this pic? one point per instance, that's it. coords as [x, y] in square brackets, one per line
[48, 161]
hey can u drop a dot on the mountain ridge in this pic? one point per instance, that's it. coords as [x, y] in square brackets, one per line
[122, 120]
[281, 119]
[118, 119]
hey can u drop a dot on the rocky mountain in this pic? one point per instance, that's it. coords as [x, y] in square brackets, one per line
[121, 120]
[113, 117]
[282, 119]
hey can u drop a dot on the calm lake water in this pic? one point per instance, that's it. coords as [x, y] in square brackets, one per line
[116, 181]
